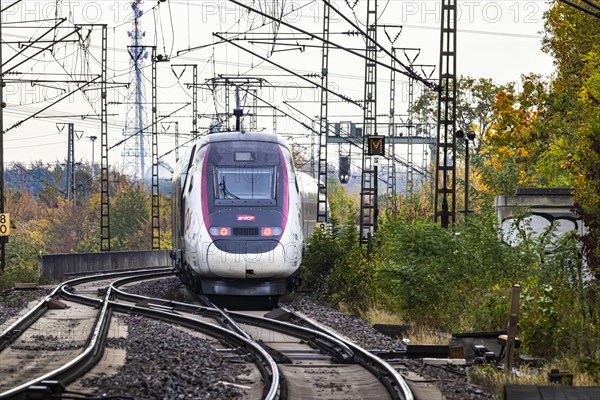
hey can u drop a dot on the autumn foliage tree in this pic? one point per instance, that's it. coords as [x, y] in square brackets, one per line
[573, 115]
[45, 222]
[511, 145]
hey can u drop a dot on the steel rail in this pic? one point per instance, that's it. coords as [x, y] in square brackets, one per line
[218, 314]
[175, 305]
[14, 330]
[94, 344]
[68, 293]
[390, 378]
[268, 366]
[336, 348]
[262, 359]
[80, 364]
[225, 319]
[227, 322]
[11, 333]
[341, 350]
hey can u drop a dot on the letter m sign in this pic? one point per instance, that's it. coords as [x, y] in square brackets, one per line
[375, 145]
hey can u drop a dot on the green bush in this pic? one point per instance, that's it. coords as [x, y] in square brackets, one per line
[322, 252]
[560, 305]
[352, 279]
[335, 269]
[451, 279]
[21, 259]
[459, 279]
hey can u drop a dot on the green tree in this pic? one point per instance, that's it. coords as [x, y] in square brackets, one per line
[51, 192]
[572, 116]
[474, 103]
[64, 226]
[509, 147]
[130, 218]
[585, 161]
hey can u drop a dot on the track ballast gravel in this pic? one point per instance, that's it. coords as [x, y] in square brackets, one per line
[13, 301]
[164, 362]
[450, 380]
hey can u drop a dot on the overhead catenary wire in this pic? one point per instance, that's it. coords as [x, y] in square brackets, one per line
[345, 98]
[146, 127]
[405, 71]
[217, 60]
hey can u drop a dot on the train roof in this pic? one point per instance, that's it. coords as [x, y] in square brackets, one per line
[244, 136]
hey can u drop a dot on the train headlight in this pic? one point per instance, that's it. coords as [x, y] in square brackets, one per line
[268, 231]
[219, 231]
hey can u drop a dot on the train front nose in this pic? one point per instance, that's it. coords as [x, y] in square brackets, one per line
[249, 243]
[249, 259]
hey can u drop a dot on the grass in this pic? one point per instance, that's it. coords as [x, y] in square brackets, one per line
[376, 315]
[416, 334]
[493, 380]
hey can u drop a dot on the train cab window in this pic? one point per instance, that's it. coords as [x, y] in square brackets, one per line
[245, 183]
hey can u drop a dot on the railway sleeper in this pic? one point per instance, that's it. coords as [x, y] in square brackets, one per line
[338, 354]
[278, 356]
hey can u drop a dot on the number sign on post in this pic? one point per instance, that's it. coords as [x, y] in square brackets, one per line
[4, 224]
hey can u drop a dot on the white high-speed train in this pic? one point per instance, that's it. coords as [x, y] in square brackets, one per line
[241, 215]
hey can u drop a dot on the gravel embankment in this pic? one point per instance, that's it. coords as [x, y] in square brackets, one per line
[164, 362]
[357, 329]
[168, 288]
[13, 301]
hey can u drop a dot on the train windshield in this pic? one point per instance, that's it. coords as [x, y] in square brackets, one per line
[245, 183]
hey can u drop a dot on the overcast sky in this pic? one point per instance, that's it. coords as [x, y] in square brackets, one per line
[497, 39]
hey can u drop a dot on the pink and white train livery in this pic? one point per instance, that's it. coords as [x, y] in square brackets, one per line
[239, 218]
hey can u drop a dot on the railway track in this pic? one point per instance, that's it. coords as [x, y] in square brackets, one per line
[291, 357]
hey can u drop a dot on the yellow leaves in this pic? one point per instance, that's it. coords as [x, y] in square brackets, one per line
[479, 184]
[523, 178]
[496, 163]
[510, 147]
[505, 151]
[522, 152]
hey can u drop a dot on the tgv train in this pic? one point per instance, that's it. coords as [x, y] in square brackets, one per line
[239, 218]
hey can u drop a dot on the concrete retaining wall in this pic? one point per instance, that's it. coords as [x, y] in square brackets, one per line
[56, 266]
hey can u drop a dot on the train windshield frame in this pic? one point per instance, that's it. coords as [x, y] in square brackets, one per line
[248, 184]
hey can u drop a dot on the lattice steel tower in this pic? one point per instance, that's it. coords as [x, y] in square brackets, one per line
[323, 124]
[391, 174]
[368, 192]
[134, 152]
[445, 182]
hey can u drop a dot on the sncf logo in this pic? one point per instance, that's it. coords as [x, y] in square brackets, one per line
[245, 217]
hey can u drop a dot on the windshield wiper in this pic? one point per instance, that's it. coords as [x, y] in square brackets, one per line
[226, 193]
